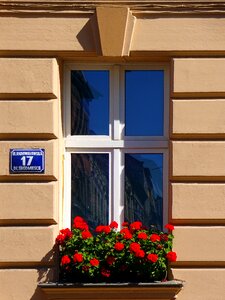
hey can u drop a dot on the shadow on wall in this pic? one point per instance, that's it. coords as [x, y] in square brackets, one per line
[89, 37]
[45, 274]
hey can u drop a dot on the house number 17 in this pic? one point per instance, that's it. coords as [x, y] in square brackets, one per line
[26, 160]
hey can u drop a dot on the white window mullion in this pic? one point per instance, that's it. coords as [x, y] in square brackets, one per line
[115, 102]
[122, 103]
[117, 207]
[165, 186]
[67, 103]
[67, 192]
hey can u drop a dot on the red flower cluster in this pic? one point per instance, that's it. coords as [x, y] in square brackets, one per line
[64, 235]
[79, 223]
[65, 260]
[152, 257]
[170, 227]
[86, 234]
[135, 248]
[110, 254]
[164, 237]
[142, 236]
[135, 226]
[94, 262]
[171, 256]
[154, 238]
[113, 224]
[78, 258]
[110, 260]
[126, 233]
[105, 272]
[119, 246]
[103, 228]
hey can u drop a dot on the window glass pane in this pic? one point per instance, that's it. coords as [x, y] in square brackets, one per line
[144, 96]
[89, 102]
[90, 187]
[144, 188]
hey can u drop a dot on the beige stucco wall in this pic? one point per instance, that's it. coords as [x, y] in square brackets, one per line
[33, 49]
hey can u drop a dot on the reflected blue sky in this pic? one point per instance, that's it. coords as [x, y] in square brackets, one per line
[144, 94]
[144, 102]
[99, 106]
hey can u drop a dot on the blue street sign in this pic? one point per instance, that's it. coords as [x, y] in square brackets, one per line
[27, 161]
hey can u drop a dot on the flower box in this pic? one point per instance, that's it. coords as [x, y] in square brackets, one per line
[125, 264]
[114, 291]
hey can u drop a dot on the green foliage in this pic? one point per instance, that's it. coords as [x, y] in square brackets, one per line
[132, 254]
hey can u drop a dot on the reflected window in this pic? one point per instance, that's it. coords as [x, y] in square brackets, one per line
[144, 102]
[90, 102]
[90, 187]
[116, 144]
[144, 189]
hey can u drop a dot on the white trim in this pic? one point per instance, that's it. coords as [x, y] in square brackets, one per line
[66, 103]
[106, 143]
[67, 192]
[115, 144]
[116, 175]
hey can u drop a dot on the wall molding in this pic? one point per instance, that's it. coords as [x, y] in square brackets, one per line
[137, 7]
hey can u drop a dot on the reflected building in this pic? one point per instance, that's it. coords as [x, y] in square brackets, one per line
[90, 172]
[81, 95]
[141, 200]
[90, 178]
[90, 185]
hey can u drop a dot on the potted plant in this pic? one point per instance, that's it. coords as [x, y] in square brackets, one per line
[132, 254]
[114, 262]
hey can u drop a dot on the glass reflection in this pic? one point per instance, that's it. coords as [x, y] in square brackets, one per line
[144, 189]
[144, 96]
[89, 102]
[90, 188]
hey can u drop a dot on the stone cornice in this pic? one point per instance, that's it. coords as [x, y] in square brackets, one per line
[137, 7]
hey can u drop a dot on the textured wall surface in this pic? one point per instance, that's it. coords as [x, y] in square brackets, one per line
[34, 46]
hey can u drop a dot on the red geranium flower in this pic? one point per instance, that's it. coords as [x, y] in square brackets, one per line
[94, 262]
[135, 225]
[106, 229]
[152, 257]
[65, 260]
[126, 233]
[64, 234]
[170, 227]
[79, 223]
[142, 235]
[86, 235]
[155, 238]
[134, 247]
[119, 246]
[85, 268]
[110, 260]
[103, 228]
[105, 272]
[125, 224]
[78, 258]
[164, 237]
[171, 256]
[140, 253]
[113, 224]
[99, 228]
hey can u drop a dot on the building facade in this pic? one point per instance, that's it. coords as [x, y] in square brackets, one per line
[40, 43]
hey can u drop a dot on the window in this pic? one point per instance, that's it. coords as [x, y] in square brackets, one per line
[116, 143]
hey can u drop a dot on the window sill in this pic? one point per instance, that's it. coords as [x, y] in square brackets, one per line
[124, 291]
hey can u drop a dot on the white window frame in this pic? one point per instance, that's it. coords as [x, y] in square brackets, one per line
[116, 144]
